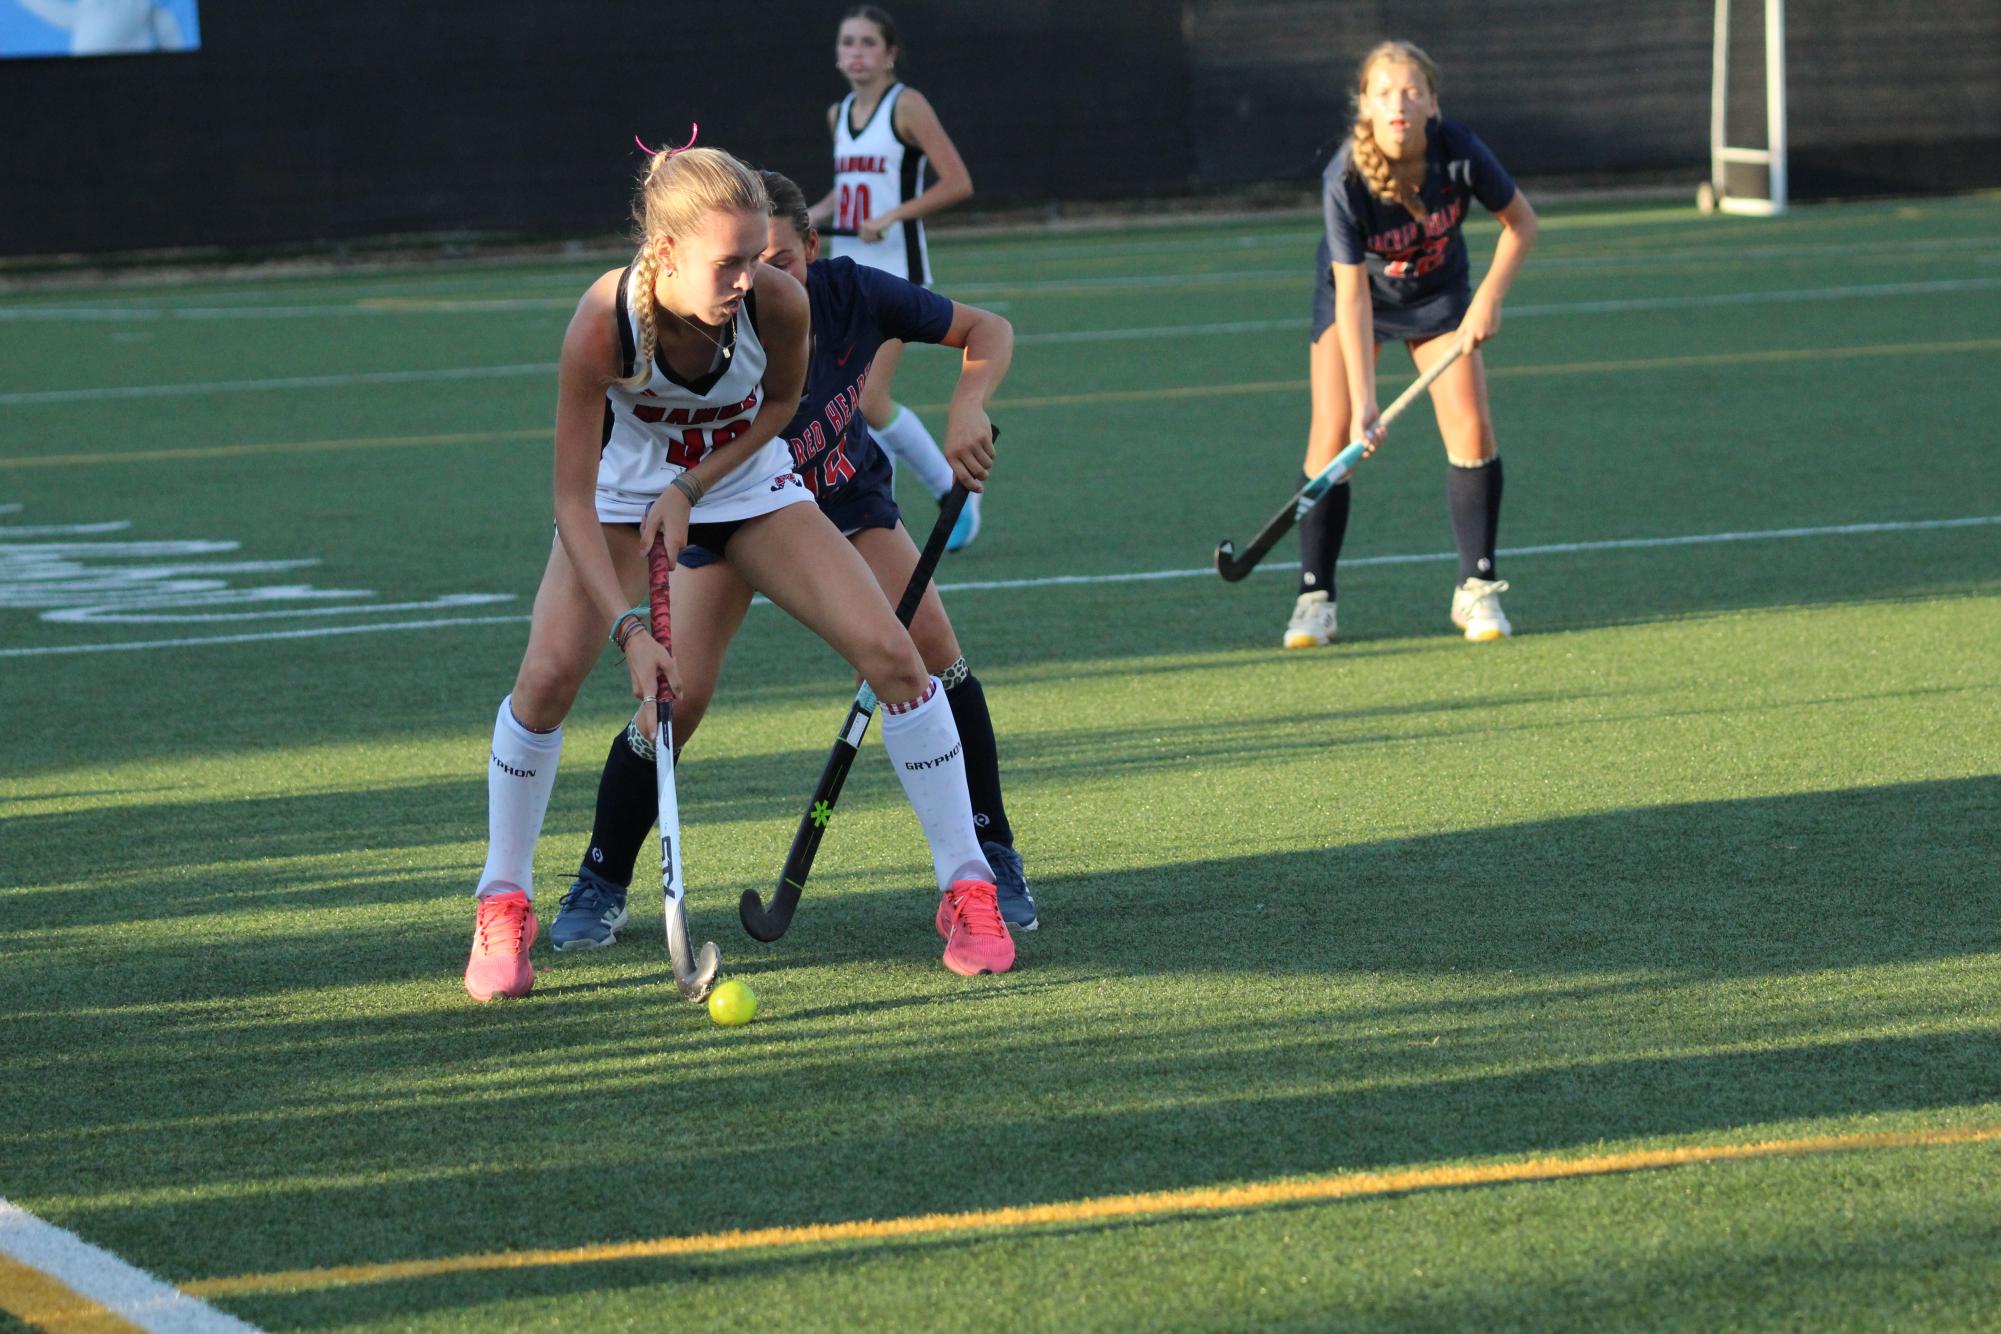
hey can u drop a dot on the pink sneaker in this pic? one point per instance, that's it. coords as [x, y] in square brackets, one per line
[500, 939]
[976, 939]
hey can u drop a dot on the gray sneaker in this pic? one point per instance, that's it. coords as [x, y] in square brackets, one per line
[590, 914]
[1017, 905]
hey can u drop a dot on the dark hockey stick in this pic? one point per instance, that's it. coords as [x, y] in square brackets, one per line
[770, 923]
[694, 974]
[1234, 567]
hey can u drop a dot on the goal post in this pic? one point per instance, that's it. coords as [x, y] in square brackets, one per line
[1745, 179]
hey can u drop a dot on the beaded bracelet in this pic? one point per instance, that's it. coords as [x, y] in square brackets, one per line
[689, 486]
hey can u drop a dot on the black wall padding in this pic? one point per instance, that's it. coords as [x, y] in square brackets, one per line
[308, 122]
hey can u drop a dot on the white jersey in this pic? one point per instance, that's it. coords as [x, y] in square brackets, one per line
[657, 432]
[874, 172]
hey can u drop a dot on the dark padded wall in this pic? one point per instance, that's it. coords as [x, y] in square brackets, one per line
[1893, 96]
[1885, 95]
[306, 121]
[1556, 87]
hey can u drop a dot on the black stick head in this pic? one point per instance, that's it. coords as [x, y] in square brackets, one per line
[1227, 563]
[758, 923]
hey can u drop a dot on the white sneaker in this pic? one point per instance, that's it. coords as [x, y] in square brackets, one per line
[1312, 624]
[1476, 609]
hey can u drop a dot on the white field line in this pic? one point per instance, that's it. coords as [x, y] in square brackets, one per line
[1069, 580]
[262, 636]
[131, 1294]
[109, 314]
[1619, 305]
[57, 529]
[1288, 242]
[460, 304]
[21, 398]
[1548, 549]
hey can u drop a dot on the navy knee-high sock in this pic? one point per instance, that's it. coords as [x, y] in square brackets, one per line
[1474, 497]
[1320, 535]
[628, 805]
[976, 734]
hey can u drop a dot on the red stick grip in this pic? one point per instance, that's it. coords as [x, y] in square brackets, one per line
[656, 597]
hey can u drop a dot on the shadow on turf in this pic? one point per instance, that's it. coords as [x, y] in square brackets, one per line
[1855, 876]
[236, 841]
[238, 837]
[1500, 991]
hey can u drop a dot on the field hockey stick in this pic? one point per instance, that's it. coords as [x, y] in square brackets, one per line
[769, 923]
[1234, 567]
[694, 975]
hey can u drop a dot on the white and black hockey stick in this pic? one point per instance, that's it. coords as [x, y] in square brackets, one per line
[694, 974]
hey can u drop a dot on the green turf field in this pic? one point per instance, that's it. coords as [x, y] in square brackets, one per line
[1707, 856]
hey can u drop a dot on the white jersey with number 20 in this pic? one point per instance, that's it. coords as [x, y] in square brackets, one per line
[874, 172]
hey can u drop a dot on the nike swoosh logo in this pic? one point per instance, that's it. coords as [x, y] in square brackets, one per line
[842, 360]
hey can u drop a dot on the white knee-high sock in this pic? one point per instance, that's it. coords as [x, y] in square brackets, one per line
[519, 776]
[923, 744]
[906, 439]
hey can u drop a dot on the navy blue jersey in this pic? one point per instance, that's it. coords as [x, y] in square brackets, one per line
[1414, 264]
[855, 311]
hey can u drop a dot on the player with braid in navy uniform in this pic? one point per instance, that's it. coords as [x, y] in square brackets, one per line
[1392, 264]
[855, 309]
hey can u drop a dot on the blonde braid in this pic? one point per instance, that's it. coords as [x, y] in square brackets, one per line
[1378, 175]
[644, 269]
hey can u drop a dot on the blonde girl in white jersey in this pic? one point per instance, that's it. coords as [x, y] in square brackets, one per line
[887, 140]
[677, 376]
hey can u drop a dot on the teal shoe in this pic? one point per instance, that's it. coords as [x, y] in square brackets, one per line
[968, 526]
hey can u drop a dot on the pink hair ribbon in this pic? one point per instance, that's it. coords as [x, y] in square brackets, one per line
[693, 130]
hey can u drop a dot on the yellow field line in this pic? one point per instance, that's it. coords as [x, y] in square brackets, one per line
[1685, 361]
[1135, 395]
[292, 447]
[1504, 372]
[1200, 1200]
[1767, 356]
[40, 1302]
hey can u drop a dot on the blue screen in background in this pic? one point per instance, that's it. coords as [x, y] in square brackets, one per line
[97, 27]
